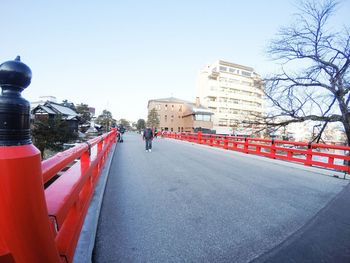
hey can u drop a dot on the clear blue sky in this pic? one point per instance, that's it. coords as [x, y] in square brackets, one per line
[117, 55]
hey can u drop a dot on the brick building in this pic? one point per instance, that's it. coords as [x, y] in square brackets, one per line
[181, 116]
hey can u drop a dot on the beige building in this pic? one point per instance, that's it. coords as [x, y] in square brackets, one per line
[181, 116]
[234, 93]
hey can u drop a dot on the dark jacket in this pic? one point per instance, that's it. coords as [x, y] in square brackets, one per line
[148, 134]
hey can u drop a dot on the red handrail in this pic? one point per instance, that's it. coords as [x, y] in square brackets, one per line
[56, 163]
[301, 152]
[43, 225]
[68, 197]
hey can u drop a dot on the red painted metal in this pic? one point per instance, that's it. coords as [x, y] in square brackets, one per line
[38, 225]
[24, 224]
[301, 152]
[69, 196]
[199, 136]
[5, 254]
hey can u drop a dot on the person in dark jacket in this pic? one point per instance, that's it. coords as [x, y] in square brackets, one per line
[148, 137]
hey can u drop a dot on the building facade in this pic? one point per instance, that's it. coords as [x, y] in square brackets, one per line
[50, 110]
[234, 93]
[181, 116]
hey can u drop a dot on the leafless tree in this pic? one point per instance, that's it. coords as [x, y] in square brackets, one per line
[313, 81]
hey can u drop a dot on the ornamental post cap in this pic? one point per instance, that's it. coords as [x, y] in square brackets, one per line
[15, 74]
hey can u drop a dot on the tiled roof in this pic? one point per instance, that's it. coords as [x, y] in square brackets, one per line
[47, 109]
[55, 108]
[62, 109]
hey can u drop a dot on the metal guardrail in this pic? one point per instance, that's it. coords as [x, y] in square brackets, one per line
[69, 196]
[309, 154]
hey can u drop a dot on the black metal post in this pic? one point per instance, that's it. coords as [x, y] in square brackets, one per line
[15, 76]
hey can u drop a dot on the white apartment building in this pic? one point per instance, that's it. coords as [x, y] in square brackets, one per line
[234, 93]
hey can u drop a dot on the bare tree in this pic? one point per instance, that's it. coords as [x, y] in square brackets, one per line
[313, 82]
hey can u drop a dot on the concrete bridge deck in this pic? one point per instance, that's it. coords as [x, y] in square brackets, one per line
[191, 203]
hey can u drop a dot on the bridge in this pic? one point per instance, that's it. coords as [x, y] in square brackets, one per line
[194, 198]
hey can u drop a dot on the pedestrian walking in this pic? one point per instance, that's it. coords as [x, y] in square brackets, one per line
[148, 137]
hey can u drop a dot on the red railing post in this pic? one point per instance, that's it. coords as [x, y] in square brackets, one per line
[24, 221]
[99, 150]
[273, 149]
[211, 140]
[258, 150]
[114, 136]
[85, 160]
[199, 137]
[308, 161]
[218, 141]
[99, 146]
[246, 145]
[226, 143]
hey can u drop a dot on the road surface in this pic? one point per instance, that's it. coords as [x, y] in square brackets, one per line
[192, 203]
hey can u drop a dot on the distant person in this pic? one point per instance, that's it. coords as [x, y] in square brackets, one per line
[121, 131]
[148, 137]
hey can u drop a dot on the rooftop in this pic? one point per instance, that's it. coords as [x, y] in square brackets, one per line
[169, 100]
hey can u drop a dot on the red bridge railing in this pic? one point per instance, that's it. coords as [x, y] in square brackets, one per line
[311, 154]
[42, 204]
[69, 196]
[71, 177]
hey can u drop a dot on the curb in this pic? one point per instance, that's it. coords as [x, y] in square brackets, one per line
[86, 243]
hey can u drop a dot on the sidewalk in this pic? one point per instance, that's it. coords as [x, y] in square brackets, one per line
[326, 238]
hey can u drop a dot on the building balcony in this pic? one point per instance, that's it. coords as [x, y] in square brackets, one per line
[214, 75]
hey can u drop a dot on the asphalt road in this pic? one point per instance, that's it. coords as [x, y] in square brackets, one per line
[191, 203]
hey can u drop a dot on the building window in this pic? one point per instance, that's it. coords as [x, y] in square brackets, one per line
[172, 107]
[171, 129]
[246, 73]
[166, 106]
[165, 118]
[232, 70]
[180, 108]
[178, 129]
[222, 99]
[223, 122]
[223, 68]
[202, 117]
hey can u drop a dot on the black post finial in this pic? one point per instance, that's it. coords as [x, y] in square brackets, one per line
[15, 76]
